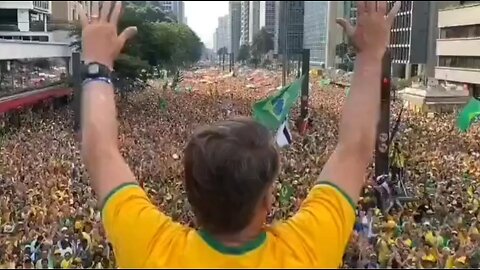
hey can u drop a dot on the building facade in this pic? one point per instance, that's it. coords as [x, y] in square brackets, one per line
[253, 20]
[315, 31]
[215, 41]
[66, 11]
[175, 8]
[25, 20]
[290, 18]
[350, 11]
[222, 34]
[245, 24]
[413, 38]
[335, 34]
[267, 16]
[235, 16]
[458, 46]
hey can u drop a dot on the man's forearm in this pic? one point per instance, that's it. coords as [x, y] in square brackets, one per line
[362, 108]
[99, 123]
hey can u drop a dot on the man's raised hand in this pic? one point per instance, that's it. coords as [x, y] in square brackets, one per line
[371, 35]
[100, 40]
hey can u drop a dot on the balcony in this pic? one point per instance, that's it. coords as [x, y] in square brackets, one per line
[459, 15]
[17, 49]
[40, 6]
[43, 6]
[463, 75]
[459, 46]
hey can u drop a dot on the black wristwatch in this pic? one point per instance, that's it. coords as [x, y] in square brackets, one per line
[95, 70]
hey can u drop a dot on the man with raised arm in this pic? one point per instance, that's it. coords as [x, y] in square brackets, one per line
[230, 168]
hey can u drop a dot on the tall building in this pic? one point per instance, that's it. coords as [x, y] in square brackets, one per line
[253, 20]
[25, 20]
[176, 8]
[412, 39]
[235, 16]
[410, 24]
[350, 11]
[215, 41]
[458, 46]
[244, 27]
[335, 34]
[222, 33]
[289, 18]
[267, 16]
[315, 31]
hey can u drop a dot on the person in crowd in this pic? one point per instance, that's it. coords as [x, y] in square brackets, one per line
[46, 200]
[230, 168]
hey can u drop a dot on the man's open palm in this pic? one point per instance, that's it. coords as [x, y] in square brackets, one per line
[100, 40]
[372, 32]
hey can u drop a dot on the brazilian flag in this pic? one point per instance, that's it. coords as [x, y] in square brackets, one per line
[469, 115]
[272, 111]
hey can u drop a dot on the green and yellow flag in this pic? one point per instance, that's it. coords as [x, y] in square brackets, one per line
[272, 111]
[469, 115]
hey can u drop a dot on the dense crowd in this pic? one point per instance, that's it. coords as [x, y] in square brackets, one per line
[49, 216]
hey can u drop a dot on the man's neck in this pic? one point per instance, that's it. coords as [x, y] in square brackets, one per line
[239, 239]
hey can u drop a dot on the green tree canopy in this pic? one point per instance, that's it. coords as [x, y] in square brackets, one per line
[159, 44]
[243, 53]
[222, 51]
[262, 43]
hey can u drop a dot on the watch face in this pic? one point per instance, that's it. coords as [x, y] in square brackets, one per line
[93, 69]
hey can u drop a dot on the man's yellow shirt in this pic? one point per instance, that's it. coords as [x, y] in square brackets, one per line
[143, 237]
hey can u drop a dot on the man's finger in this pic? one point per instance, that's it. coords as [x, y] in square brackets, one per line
[361, 7]
[347, 27]
[105, 11]
[126, 34]
[116, 12]
[382, 7]
[82, 14]
[393, 12]
[94, 15]
[371, 6]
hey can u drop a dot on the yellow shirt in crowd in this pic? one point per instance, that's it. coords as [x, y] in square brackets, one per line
[143, 237]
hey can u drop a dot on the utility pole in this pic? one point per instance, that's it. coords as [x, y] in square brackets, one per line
[382, 164]
[223, 61]
[305, 84]
[285, 42]
[77, 92]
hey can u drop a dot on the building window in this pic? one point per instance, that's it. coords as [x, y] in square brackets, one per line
[37, 22]
[459, 61]
[464, 31]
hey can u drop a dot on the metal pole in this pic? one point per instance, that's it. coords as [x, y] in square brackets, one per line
[77, 91]
[299, 64]
[305, 84]
[383, 128]
[223, 61]
[285, 25]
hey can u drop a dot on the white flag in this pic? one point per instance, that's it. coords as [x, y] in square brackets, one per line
[284, 137]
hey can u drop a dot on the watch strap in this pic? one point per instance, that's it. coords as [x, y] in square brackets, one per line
[101, 71]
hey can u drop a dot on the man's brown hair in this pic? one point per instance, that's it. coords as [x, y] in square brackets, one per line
[228, 168]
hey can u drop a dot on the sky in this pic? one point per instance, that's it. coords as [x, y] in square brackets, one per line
[202, 17]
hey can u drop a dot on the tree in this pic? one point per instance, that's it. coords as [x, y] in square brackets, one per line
[222, 51]
[262, 43]
[159, 44]
[243, 53]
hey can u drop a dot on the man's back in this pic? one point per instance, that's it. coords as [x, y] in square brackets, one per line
[143, 236]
